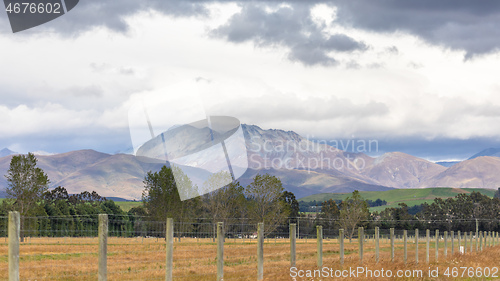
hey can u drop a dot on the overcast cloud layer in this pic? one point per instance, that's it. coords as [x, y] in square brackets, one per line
[415, 75]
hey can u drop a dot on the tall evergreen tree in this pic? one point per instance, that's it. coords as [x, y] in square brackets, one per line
[161, 198]
[26, 183]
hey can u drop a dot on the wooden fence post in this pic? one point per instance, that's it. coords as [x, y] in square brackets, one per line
[103, 248]
[481, 241]
[437, 244]
[459, 240]
[465, 242]
[405, 241]
[392, 244]
[319, 245]
[14, 233]
[416, 245]
[377, 244]
[452, 242]
[470, 234]
[260, 252]
[361, 234]
[341, 242]
[445, 243]
[169, 236]
[293, 237]
[428, 233]
[477, 239]
[220, 251]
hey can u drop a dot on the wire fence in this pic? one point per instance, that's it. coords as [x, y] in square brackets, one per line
[68, 247]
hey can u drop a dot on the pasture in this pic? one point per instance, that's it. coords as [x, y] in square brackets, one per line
[140, 258]
[411, 197]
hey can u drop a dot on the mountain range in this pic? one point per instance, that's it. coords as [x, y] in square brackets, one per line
[305, 167]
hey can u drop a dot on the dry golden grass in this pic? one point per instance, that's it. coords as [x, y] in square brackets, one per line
[195, 259]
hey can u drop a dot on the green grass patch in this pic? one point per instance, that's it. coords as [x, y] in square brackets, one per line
[395, 204]
[54, 256]
[126, 206]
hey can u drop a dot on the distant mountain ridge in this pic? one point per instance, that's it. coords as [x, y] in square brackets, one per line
[119, 175]
[6, 152]
[494, 152]
[304, 166]
[447, 164]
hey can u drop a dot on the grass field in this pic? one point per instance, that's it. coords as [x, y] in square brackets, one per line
[126, 205]
[410, 197]
[195, 259]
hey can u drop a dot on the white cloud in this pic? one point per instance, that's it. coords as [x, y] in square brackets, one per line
[51, 83]
[23, 120]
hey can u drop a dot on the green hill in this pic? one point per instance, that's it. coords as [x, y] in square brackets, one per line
[410, 197]
[127, 205]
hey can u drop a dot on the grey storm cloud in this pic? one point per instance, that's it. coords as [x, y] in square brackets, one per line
[471, 26]
[466, 25]
[111, 14]
[289, 26]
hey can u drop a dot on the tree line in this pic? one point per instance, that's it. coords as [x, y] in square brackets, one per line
[263, 200]
[315, 206]
[57, 213]
[464, 212]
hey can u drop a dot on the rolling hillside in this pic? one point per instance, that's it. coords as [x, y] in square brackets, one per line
[478, 172]
[400, 170]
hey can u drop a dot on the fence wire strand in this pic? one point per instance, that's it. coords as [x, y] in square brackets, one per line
[66, 247]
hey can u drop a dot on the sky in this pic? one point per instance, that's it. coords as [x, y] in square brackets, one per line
[419, 77]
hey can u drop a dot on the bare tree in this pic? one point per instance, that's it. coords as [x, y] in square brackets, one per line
[353, 210]
[266, 203]
[223, 204]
